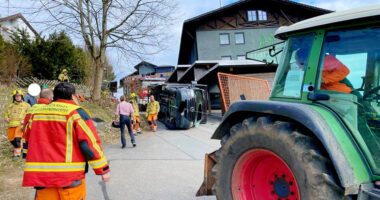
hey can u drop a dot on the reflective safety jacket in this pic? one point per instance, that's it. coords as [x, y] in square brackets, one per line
[63, 77]
[153, 108]
[135, 106]
[16, 112]
[61, 140]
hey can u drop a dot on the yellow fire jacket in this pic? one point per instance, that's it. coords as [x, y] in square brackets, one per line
[63, 77]
[135, 106]
[153, 108]
[16, 112]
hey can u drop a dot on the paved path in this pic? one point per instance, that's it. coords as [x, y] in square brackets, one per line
[165, 165]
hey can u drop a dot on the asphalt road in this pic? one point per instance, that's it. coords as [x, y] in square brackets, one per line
[165, 165]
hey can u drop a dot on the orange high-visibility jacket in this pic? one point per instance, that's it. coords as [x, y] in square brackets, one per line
[61, 140]
[333, 72]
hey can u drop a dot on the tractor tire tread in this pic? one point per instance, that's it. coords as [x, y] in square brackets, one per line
[317, 166]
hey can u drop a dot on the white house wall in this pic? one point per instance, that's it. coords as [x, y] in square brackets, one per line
[12, 25]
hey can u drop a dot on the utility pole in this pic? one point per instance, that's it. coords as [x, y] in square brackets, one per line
[220, 2]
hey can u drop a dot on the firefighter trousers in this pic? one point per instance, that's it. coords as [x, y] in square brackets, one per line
[66, 193]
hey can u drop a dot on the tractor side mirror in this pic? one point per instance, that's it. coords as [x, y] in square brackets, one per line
[314, 96]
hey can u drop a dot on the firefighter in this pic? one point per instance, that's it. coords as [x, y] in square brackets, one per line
[14, 116]
[152, 111]
[46, 96]
[62, 142]
[136, 114]
[63, 76]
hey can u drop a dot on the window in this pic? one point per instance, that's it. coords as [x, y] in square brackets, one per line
[262, 15]
[252, 16]
[226, 57]
[290, 79]
[239, 38]
[241, 57]
[349, 72]
[224, 38]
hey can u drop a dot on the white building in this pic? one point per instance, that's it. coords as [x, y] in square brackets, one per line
[13, 23]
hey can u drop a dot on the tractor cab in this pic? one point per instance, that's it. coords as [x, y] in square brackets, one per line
[339, 70]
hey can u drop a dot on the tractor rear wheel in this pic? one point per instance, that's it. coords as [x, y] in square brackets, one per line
[264, 160]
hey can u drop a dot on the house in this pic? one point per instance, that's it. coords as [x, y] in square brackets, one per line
[12, 23]
[228, 33]
[147, 74]
[221, 40]
[164, 71]
[145, 68]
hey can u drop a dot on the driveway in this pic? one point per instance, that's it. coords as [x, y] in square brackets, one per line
[165, 165]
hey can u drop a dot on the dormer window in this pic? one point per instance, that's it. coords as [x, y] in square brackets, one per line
[252, 15]
[256, 15]
[262, 15]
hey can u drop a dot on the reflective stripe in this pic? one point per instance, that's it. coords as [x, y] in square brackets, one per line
[58, 118]
[96, 164]
[56, 108]
[90, 134]
[54, 167]
[69, 140]
[76, 116]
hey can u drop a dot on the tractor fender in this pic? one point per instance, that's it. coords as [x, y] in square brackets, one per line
[304, 115]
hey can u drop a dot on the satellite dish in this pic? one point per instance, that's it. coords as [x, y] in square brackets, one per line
[34, 89]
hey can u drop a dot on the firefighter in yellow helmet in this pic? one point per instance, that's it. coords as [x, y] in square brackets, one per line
[63, 76]
[152, 111]
[14, 116]
[136, 114]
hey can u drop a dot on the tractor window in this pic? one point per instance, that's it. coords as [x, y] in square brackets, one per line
[349, 72]
[295, 59]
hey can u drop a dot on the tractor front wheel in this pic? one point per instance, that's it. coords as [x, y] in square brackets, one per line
[263, 159]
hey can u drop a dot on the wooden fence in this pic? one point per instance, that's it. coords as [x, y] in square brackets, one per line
[25, 82]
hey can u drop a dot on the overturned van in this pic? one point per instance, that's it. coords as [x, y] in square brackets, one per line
[182, 106]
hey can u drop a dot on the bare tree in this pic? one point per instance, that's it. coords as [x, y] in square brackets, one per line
[135, 27]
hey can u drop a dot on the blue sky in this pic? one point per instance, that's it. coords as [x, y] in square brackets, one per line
[186, 9]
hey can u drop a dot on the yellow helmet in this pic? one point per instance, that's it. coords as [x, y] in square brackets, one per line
[64, 70]
[133, 95]
[17, 92]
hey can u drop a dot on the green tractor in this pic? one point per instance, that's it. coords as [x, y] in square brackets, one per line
[318, 137]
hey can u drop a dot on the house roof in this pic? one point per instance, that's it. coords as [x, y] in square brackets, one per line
[16, 16]
[212, 66]
[144, 63]
[331, 18]
[178, 72]
[248, 68]
[190, 26]
[244, 2]
[165, 66]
